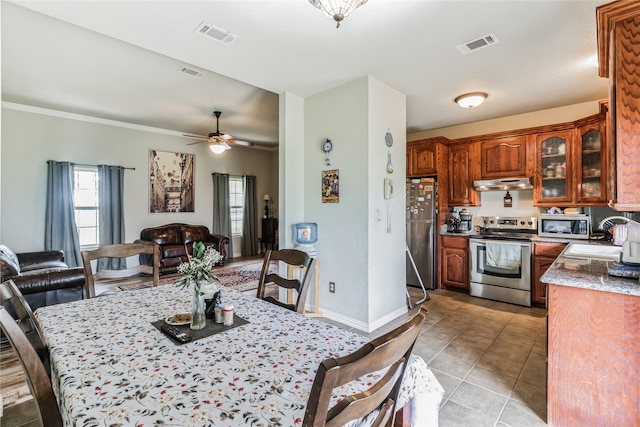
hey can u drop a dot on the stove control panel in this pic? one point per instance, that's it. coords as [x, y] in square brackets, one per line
[509, 223]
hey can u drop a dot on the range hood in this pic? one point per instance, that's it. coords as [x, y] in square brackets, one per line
[503, 184]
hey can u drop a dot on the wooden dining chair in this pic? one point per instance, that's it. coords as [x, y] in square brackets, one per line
[293, 258]
[108, 281]
[12, 300]
[35, 373]
[390, 351]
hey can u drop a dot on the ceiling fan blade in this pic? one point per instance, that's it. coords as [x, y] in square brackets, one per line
[227, 146]
[187, 135]
[197, 142]
[243, 143]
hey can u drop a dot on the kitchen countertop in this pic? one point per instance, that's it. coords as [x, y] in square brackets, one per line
[588, 274]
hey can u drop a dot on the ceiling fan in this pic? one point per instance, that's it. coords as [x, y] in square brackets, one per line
[219, 142]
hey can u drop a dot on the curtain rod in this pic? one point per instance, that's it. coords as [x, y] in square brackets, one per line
[95, 166]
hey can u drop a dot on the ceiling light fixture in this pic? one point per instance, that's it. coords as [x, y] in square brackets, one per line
[217, 147]
[338, 10]
[471, 100]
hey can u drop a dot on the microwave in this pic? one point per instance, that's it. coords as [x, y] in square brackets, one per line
[564, 226]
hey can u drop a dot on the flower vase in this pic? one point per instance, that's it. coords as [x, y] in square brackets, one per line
[198, 312]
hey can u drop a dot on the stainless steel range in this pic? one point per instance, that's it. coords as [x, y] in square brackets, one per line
[501, 259]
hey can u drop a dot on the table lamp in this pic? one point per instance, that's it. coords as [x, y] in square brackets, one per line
[266, 199]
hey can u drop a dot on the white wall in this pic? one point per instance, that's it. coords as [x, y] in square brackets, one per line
[30, 139]
[387, 237]
[354, 250]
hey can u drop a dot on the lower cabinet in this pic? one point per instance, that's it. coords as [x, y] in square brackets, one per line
[454, 262]
[544, 253]
[593, 357]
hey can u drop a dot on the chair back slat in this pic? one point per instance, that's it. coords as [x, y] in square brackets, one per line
[123, 250]
[390, 351]
[292, 258]
[34, 370]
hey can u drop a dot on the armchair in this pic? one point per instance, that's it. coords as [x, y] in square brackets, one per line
[42, 277]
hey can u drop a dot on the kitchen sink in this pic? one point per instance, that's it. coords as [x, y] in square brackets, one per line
[604, 252]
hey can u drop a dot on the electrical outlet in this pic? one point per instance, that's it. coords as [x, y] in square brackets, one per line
[332, 287]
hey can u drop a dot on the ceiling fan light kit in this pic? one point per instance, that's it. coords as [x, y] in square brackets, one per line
[338, 10]
[218, 141]
[471, 100]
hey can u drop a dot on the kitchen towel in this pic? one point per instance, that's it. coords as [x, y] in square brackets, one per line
[503, 255]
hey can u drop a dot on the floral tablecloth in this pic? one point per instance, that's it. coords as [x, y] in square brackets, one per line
[110, 366]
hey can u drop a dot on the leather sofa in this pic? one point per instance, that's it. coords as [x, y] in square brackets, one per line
[176, 240]
[42, 277]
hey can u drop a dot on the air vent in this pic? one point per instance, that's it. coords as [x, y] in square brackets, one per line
[481, 43]
[215, 33]
[190, 71]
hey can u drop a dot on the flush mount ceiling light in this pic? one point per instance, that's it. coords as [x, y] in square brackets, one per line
[471, 100]
[338, 10]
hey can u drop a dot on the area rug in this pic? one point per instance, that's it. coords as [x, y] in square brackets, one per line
[242, 278]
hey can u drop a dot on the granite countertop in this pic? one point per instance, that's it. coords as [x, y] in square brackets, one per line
[588, 274]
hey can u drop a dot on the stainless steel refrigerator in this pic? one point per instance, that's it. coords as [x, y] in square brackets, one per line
[421, 231]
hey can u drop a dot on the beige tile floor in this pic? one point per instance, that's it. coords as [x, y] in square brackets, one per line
[489, 357]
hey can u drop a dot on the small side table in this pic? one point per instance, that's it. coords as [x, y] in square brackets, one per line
[269, 234]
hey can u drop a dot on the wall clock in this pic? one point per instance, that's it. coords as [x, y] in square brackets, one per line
[327, 146]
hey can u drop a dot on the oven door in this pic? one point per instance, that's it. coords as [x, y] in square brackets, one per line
[486, 269]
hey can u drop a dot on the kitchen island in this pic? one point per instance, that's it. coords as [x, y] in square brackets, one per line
[593, 344]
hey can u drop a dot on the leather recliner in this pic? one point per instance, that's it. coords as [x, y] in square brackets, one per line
[42, 277]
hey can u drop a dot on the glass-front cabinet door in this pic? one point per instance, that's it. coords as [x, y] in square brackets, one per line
[592, 172]
[554, 154]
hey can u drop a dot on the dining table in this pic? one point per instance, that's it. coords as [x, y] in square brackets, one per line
[111, 365]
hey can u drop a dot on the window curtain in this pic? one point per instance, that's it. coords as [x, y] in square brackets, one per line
[111, 213]
[250, 218]
[60, 230]
[222, 209]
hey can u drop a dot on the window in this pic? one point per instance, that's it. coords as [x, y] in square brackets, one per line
[236, 203]
[85, 200]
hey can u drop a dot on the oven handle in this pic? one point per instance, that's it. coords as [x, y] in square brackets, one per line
[483, 242]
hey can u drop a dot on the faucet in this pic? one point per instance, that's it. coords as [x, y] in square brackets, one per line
[608, 222]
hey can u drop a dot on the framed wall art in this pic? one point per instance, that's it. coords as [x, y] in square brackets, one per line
[331, 186]
[171, 182]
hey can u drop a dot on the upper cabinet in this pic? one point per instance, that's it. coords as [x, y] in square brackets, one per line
[461, 173]
[553, 184]
[426, 157]
[503, 157]
[572, 165]
[618, 53]
[591, 172]
[421, 159]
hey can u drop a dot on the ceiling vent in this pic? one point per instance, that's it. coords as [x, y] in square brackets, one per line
[190, 71]
[477, 44]
[215, 33]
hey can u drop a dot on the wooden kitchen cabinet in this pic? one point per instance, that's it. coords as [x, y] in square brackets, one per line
[544, 253]
[553, 180]
[454, 262]
[618, 41]
[593, 357]
[591, 165]
[503, 157]
[422, 159]
[461, 172]
[572, 164]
